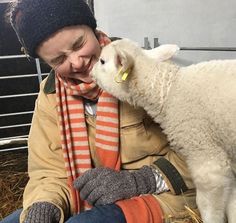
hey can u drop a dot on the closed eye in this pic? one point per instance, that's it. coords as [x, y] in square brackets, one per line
[58, 60]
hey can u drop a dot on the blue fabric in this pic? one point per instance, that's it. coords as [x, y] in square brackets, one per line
[100, 214]
[12, 218]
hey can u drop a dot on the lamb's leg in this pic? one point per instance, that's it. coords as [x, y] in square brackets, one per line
[213, 180]
[231, 206]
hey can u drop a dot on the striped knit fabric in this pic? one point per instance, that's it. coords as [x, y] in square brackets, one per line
[73, 129]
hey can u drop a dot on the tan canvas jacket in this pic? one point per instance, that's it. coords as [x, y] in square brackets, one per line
[142, 143]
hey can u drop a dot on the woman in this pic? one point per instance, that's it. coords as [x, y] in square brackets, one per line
[91, 158]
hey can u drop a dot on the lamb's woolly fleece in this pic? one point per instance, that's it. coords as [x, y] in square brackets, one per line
[196, 107]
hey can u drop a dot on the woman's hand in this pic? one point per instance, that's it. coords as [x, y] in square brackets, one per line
[43, 212]
[102, 185]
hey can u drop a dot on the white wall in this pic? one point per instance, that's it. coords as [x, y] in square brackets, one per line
[188, 23]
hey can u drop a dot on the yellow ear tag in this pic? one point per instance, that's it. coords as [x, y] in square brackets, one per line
[121, 76]
[125, 75]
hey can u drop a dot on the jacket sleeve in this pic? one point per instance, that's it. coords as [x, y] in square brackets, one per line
[46, 169]
[175, 172]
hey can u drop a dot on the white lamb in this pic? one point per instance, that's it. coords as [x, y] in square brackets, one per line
[195, 106]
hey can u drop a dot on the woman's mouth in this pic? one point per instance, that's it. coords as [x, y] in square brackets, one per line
[84, 74]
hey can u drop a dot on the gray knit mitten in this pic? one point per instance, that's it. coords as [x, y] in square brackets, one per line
[43, 212]
[102, 185]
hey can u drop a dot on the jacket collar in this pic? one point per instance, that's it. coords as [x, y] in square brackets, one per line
[49, 87]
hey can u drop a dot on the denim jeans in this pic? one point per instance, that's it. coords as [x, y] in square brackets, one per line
[12, 218]
[100, 214]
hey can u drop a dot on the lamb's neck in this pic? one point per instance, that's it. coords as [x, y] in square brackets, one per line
[154, 88]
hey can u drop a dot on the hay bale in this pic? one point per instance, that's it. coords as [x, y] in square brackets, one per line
[13, 178]
[187, 216]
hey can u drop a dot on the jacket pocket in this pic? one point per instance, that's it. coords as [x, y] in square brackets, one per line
[141, 139]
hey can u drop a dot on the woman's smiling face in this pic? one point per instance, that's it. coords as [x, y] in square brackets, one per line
[71, 52]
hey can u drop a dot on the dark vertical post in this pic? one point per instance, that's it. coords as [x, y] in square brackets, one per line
[146, 43]
[156, 42]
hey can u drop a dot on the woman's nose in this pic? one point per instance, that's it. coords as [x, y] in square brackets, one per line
[75, 60]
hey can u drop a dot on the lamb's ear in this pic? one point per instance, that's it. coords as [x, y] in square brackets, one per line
[163, 52]
[124, 60]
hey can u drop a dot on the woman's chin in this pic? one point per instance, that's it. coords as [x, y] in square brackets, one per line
[79, 80]
[88, 80]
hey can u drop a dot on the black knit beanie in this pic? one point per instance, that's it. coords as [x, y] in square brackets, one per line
[35, 20]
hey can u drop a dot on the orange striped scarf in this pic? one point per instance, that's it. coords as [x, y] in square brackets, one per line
[73, 129]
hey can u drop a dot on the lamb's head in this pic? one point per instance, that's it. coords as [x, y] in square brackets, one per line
[123, 64]
[115, 63]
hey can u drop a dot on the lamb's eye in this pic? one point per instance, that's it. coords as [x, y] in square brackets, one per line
[102, 61]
